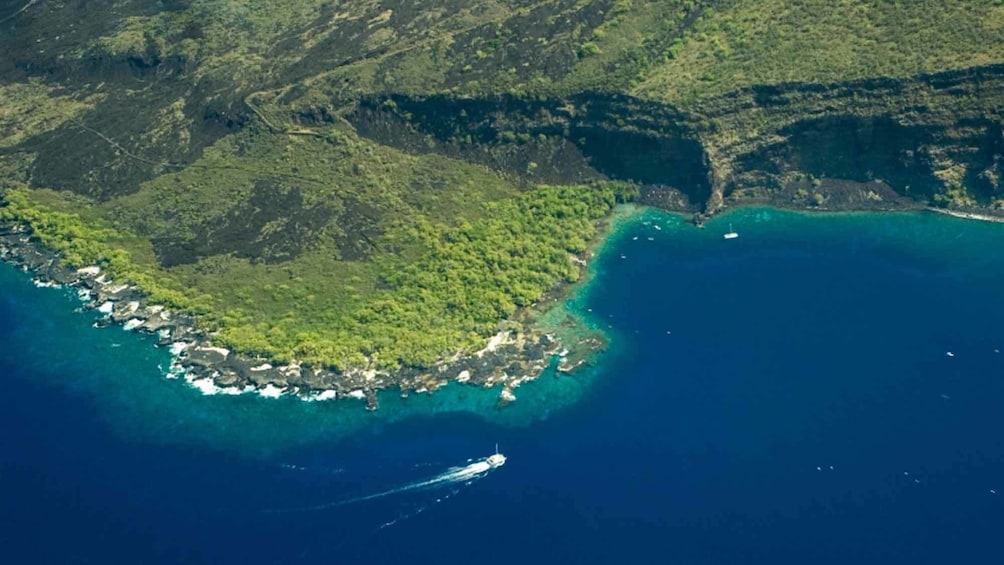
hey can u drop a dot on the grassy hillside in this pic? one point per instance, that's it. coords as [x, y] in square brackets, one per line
[751, 42]
[214, 151]
[429, 290]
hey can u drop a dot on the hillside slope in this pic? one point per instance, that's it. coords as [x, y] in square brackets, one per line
[378, 186]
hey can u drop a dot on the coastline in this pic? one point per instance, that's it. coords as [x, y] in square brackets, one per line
[520, 352]
[549, 334]
[557, 313]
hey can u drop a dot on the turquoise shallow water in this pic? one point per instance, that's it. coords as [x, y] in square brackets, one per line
[784, 397]
[121, 375]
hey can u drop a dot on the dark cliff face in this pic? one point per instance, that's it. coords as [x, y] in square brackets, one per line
[847, 147]
[920, 139]
[934, 139]
[923, 138]
[915, 160]
[152, 112]
[575, 139]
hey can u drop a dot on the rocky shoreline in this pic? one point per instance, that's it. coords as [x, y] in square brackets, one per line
[515, 355]
[841, 195]
[512, 357]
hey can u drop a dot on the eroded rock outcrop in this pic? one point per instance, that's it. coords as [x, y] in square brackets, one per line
[866, 144]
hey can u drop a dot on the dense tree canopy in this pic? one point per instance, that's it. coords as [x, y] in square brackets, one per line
[447, 293]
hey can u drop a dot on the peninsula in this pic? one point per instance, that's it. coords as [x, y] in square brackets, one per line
[333, 198]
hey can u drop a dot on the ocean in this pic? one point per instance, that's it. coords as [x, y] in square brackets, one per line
[824, 389]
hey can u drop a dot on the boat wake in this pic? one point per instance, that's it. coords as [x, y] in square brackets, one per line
[467, 474]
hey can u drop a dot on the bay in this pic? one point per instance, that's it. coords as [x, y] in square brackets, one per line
[824, 388]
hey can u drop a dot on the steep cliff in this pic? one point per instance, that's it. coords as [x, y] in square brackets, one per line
[935, 139]
[926, 140]
[371, 186]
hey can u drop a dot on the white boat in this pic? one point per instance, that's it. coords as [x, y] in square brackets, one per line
[731, 234]
[496, 460]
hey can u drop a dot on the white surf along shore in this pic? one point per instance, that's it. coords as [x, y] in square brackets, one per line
[119, 308]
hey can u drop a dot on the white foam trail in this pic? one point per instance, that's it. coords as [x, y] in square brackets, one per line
[417, 511]
[455, 475]
[462, 474]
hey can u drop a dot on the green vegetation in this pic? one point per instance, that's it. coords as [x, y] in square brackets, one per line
[83, 243]
[32, 108]
[750, 42]
[218, 153]
[447, 290]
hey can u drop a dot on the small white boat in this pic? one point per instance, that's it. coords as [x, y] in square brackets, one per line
[731, 234]
[496, 460]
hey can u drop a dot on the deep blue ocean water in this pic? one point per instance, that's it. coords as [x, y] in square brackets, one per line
[786, 397]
